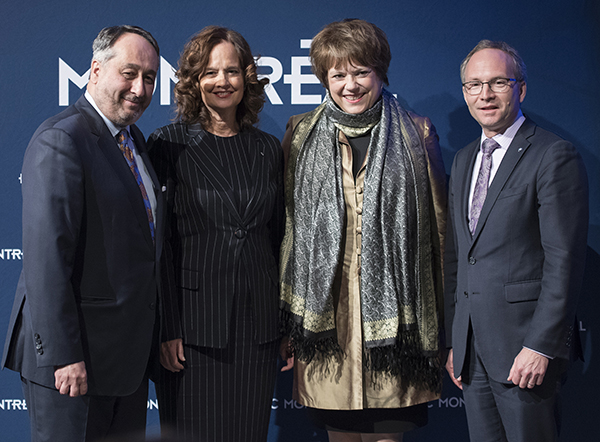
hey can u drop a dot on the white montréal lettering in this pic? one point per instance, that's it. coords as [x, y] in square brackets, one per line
[14, 254]
[296, 79]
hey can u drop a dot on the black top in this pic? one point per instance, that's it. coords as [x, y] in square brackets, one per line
[359, 146]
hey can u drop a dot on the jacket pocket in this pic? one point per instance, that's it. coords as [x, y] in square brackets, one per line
[523, 291]
[512, 191]
[188, 279]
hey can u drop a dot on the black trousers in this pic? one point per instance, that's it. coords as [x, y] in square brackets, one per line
[56, 417]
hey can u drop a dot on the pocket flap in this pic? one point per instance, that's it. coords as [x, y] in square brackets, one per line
[188, 279]
[523, 291]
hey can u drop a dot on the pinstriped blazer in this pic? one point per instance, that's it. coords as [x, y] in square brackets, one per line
[224, 226]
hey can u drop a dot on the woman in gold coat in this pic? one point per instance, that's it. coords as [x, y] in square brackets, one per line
[365, 191]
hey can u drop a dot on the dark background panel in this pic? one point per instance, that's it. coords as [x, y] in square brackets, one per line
[559, 40]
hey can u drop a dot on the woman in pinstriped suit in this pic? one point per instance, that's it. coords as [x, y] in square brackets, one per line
[223, 183]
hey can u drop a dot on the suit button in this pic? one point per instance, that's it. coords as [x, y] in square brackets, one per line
[240, 233]
[466, 294]
[472, 260]
[152, 306]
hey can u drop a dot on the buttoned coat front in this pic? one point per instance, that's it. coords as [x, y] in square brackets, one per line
[516, 280]
[215, 230]
[89, 288]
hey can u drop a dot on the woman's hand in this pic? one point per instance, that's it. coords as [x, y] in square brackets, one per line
[171, 355]
[286, 353]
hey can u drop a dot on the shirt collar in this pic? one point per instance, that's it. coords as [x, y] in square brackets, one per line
[112, 127]
[504, 139]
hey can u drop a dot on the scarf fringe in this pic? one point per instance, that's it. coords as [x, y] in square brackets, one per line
[321, 349]
[403, 360]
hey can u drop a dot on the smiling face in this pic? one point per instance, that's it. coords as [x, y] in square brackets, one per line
[354, 89]
[222, 83]
[494, 111]
[122, 86]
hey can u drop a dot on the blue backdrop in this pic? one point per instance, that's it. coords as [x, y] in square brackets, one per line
[45, 51]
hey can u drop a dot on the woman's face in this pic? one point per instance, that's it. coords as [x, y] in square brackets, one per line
[222, 84]
[354, 89]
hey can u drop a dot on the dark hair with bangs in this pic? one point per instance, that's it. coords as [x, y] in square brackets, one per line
[192, 65]
[351, 41]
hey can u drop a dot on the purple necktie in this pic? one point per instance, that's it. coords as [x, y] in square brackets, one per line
[481, 186]
[125, 144]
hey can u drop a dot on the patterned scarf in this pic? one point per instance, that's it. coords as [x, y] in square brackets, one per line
[398, 300]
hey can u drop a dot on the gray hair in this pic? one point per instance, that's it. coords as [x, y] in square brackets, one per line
[518, 64]
[106, 39]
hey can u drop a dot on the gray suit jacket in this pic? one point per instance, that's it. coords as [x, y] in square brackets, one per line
[88, 289]
[516, 281]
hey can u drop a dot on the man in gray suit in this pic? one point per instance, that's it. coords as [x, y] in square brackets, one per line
[84, 323]
[515, 252]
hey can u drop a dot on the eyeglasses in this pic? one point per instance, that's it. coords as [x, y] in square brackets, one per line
[497, 85]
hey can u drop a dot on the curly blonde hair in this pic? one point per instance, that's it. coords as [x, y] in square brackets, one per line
[192, 65]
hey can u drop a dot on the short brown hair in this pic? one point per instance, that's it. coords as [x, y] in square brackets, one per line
[350, 41]
[192, 64]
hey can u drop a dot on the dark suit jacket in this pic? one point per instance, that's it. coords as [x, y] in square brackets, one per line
[88, 290]
[218, 233]
[517, 280]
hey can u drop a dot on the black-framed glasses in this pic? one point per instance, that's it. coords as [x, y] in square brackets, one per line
[497, 85]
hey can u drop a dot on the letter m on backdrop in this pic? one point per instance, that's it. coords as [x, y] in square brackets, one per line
[66, 74]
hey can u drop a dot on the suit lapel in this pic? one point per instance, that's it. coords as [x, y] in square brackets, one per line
[107, 144]
[208, 164]
[513, 155]
[256, 155]
[465, 186]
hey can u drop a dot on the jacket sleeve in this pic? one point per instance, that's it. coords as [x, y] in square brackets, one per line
[53, 207]
[161, 161]
[439, 196]
[562, 207]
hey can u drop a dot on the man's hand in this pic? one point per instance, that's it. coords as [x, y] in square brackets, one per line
[171, 355]
[450, 368]
[71, 379]
[529, 369]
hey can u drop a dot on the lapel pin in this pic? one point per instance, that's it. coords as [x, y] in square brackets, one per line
[520, 149]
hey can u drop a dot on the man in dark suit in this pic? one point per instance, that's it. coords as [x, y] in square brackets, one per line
[84, 321]
[517, 231]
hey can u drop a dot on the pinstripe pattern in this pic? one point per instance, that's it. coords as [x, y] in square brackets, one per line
[225, 394]
[224, 225]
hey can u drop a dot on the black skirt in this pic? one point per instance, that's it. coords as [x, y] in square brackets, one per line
[223, 394]
[370, 420]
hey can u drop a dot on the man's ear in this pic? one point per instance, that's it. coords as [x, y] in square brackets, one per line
[522, 91]
[95, 71]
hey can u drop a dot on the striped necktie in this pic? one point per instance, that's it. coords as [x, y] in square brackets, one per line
[126, 146]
